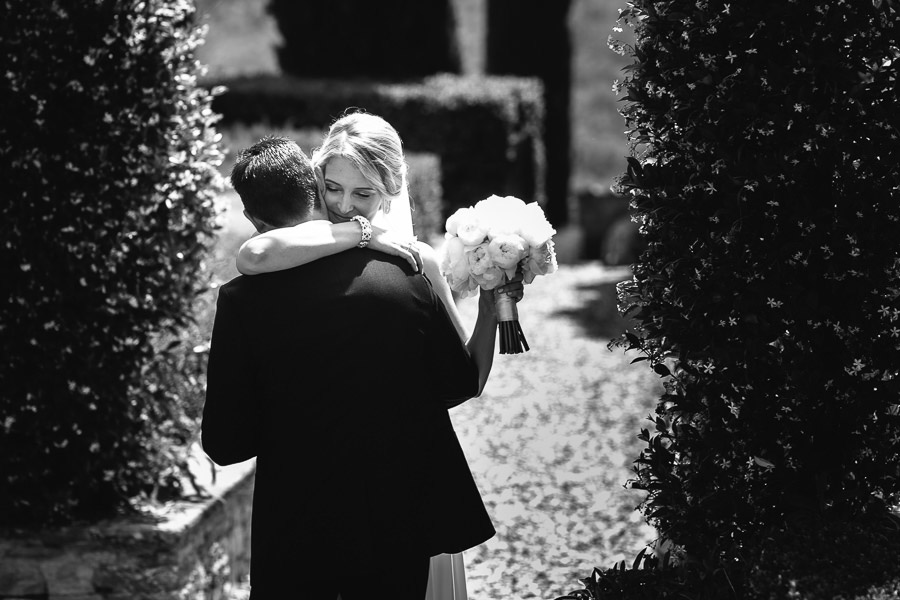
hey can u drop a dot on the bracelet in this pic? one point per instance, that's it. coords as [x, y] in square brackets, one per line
[366, 230]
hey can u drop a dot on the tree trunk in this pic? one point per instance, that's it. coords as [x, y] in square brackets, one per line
[532, 38]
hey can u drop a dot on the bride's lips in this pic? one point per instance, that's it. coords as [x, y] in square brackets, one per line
[338, 217]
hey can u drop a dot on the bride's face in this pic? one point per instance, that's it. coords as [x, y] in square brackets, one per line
[347, 192]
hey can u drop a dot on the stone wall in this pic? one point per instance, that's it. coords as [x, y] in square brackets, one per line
[188, 550]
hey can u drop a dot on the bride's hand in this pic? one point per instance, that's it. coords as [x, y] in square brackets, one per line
[514, 288]
[396, 245]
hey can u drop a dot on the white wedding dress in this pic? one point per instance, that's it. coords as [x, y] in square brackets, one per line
[447, 576]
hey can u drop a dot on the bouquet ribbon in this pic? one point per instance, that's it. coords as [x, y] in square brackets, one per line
[512, 338]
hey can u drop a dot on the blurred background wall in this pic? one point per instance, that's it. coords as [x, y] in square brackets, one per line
[243, 35]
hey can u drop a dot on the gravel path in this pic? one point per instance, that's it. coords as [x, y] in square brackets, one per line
[551, 443]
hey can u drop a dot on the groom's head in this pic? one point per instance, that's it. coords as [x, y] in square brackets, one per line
[276, 182]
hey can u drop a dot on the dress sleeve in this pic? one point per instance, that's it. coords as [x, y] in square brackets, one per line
[454, 371]
[230, 426]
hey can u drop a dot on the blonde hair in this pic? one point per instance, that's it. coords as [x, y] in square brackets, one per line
[373, 146]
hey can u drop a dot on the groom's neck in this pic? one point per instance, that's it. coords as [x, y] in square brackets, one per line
[315, 215]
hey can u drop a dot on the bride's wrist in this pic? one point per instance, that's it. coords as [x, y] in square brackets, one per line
[365, 230]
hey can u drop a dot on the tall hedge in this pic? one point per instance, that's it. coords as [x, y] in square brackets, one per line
[388, 39]
[765, 176]
[110, 159]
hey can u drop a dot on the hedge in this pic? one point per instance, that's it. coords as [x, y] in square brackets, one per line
[765, 177]
[108, 213]
[812, 559]
[486, 131]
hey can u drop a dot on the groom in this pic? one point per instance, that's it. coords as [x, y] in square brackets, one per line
[352, 495]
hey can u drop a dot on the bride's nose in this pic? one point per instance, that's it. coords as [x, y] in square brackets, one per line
[346, 203]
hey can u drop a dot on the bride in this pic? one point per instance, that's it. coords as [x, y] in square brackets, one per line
[363, 182]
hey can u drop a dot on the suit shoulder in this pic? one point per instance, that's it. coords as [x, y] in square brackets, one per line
[234, 284]
[380, 259]
[238, 288]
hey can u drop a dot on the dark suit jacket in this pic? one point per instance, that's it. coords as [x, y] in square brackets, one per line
[337, 376]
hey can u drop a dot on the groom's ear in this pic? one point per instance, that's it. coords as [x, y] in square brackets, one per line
[320, 182]
[259, 225]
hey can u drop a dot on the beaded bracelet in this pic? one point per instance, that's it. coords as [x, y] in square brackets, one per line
[366, 230]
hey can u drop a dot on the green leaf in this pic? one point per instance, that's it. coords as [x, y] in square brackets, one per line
[638, 559]
[762, 462]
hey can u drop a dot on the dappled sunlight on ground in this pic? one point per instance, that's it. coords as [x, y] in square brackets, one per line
[551, 443]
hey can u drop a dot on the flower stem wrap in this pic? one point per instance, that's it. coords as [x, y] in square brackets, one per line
[512, 338]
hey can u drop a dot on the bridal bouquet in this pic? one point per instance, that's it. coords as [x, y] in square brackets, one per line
[487, 244]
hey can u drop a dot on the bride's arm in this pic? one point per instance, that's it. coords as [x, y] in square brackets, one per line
[288, 247]
[432, 269]
[482, 343]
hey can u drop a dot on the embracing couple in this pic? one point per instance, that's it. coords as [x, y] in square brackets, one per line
[334, 359]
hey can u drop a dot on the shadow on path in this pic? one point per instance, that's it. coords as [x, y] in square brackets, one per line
[598, 314]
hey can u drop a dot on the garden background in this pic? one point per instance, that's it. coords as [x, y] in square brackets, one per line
[242, 35]
[552, 439]
[764, 177]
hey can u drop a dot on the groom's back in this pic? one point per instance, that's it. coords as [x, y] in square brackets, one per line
[306, 352]
[321, 341]
[339, 323]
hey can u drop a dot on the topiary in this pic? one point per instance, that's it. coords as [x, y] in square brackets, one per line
[765, 176]
[108, 210]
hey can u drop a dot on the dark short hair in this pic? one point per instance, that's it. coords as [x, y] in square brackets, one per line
[276, 181]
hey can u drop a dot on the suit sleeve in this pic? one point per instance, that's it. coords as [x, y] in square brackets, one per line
[230, 426]
[453, 370]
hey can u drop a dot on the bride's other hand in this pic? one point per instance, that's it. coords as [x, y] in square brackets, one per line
[514, 288]
[396, 245]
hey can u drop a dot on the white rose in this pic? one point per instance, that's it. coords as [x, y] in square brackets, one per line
[453, 221]
[506, 251]
[500, 215]
[534, 227]
[541, 260]
[479, 260]
[490, 278]
[455, 263]
[466, 225]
